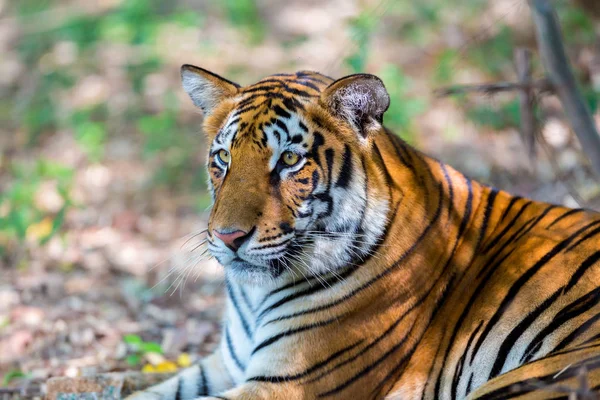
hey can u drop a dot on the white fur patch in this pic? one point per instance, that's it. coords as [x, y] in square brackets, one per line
[203, 93]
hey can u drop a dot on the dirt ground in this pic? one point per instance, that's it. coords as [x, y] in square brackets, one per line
[125, 262]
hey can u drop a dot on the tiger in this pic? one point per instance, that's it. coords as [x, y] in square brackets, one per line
[357, 267]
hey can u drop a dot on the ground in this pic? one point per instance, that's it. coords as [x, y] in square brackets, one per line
[76, 300]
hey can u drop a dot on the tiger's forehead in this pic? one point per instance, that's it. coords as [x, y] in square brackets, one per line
[273, 104]
[290, 91]
[301, 83]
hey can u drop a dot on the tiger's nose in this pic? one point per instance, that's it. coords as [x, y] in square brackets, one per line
[233, 239]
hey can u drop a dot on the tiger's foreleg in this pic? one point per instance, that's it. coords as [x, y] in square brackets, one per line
[208, 377]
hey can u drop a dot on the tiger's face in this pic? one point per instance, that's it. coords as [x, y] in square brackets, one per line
[286, 161]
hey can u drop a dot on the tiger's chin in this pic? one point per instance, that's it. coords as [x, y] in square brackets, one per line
[245, 272]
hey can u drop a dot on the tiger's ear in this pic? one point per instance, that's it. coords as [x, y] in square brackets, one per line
[206, 89]
[360, 99]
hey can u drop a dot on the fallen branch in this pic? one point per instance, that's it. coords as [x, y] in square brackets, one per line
[527, 100]
[541, 85]
[563, 80]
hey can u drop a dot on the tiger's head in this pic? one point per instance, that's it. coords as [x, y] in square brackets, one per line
[291, 173]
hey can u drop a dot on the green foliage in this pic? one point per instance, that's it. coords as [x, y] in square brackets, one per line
[20, 216]
[92, 137]
[446, 67]
[42, 102]
[137, 348]
[403, 109]
[592, 98]
[494, 55]
[243, 14]
[360, 29]
[12, 375]
[174, 145]
[498, 117]
[576, 24]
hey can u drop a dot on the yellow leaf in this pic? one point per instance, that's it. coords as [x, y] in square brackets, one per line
[184, 360]
[166, 366]
[40, 230]
[148, 369]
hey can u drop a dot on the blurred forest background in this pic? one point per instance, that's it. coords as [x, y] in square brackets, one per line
[102, 175]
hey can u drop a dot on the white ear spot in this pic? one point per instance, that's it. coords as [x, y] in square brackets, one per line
[202, 93]
[206, 89]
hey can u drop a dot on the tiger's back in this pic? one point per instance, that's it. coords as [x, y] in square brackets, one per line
[358, 267]
[528, 303]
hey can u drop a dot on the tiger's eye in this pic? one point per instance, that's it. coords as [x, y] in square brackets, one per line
[224, 156]
[290, 158]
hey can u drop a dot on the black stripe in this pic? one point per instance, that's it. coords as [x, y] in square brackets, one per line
[474, 296]
[523, 279]
[565, 215]
[389, 181]
[329, 155]
[584, 238]
[407, 356]
[179, 388]
[532, 384]
[373, 343]
[537, 220]
[398, 145]
[261, 87]
[239, 312]
[368, 368]
[307, 84]
[203, 384]
[298, 92]
[338, 278]
[303, 126]
[457, 374]
[282, 126]
[507, 228]
[267, 342]
[246, 300]
[509, 340]
[429, 372]
[231, 349]
[285, 287]
[462, 227]
[486, 216]
[516, 333]
[308, 371]
[468, 209]
[470, 384]
[508, 242]
[509, 207]
[354, 267]
[270, 246]
[346, 170]
[577, 333]
[572, 310]
[585, 344]
[587, 263]
[450, 191]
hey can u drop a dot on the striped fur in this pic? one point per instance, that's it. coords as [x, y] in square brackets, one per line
[372, 271]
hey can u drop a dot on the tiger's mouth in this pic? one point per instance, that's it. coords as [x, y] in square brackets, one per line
[249, 269]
